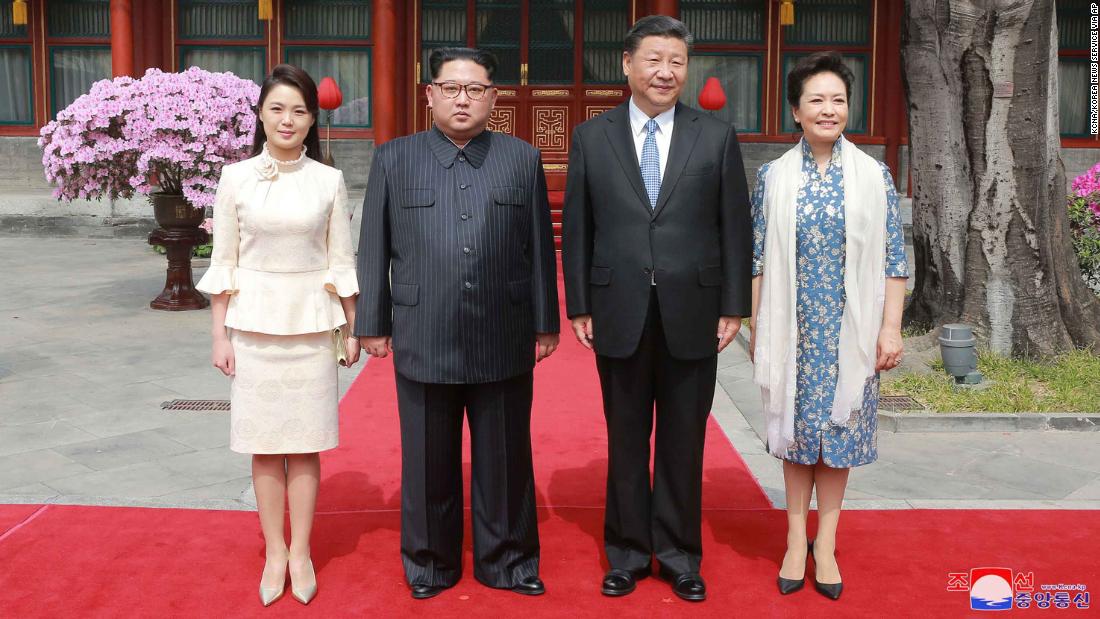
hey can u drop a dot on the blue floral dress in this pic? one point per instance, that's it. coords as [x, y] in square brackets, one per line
[820, 243]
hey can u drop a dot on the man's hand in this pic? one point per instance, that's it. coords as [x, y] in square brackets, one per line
[582, 328]
[377, 346]
[728, 326]
[548, 343]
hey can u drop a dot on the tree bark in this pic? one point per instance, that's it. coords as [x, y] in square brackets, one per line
[990, 228]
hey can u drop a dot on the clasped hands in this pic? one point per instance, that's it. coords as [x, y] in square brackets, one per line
[728, 326]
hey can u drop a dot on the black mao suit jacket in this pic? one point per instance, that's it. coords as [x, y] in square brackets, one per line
[695, 244]
[456, 257]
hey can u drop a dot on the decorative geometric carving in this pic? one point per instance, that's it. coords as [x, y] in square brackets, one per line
[427, 117]
[549, 124]
[592, 111]
[603, 93]
[555, 167]
[503, 119]
[549, 93]
[506, 93]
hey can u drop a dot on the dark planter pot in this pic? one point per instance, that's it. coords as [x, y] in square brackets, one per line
[179, 233]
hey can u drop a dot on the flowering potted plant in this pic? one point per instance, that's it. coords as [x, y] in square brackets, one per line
[165, 135]
[1084, 224]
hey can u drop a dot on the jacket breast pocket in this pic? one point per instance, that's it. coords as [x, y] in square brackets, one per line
[416, 198]
[699, 170]
[710, 276]
[509, 196]
[600, 276]
[405, 294]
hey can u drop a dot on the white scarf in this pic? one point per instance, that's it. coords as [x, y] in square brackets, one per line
[864, 289]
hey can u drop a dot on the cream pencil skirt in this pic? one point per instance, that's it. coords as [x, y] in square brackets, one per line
[284, 397]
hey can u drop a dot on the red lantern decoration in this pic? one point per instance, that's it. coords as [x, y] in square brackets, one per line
[329, 95]
[329, 98]
[712, 97]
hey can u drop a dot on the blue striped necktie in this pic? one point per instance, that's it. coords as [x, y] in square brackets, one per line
[651, 163]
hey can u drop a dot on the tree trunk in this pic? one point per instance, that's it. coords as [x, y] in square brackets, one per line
[990, 228]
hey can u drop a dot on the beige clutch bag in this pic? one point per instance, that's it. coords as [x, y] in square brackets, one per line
[340, 343]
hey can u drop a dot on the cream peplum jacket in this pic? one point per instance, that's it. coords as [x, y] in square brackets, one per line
[282, 246]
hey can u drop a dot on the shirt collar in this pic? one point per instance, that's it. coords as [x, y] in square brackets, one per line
[475, 151]
[638, 118]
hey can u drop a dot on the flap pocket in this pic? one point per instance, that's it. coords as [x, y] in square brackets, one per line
[509, 195]
[414, 198]
[710, 276]
[519, 291]
[405, 294]
[706, 168]
[600, 276]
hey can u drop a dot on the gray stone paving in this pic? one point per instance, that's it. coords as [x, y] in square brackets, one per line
[85, 364]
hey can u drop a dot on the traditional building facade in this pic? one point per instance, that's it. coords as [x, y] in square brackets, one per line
[560, 64]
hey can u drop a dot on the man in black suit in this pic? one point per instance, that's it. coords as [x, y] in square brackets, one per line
[456, 260]
[656, 254]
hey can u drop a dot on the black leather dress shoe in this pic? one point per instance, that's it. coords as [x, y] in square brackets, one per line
[621, 582]
[423, 592]
[530, 586]
[688, 586]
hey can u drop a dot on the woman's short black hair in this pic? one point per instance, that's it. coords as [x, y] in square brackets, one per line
[657, 26]
[443, 55]
[290, 75]
[818, 62]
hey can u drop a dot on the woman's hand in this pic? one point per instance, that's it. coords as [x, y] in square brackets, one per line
[889, 349]
[222, 356]
[352, 344]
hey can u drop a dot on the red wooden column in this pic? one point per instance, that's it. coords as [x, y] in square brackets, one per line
[666, 7]
[384, 81]
[122, 38]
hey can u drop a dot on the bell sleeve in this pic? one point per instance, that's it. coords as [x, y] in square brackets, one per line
[221, 277]
[340, 278]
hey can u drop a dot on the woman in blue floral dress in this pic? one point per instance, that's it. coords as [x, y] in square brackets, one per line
[817, 451]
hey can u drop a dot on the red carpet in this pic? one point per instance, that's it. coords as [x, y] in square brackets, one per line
[120, 562]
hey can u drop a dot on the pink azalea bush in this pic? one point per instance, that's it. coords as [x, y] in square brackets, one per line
[1084, 224]
[168, 132]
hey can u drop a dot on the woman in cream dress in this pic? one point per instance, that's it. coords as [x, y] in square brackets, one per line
[282, 276]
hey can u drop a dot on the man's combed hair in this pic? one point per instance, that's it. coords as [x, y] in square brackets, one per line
[443, 55]
[819, 62]
[657, 26]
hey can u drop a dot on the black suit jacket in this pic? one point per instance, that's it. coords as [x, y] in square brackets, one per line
[468, 238]
[696, 244]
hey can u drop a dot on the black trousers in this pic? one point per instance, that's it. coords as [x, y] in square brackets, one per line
[505, 525]
[664, 520]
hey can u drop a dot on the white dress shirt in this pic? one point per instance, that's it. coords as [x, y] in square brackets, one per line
[638, 119]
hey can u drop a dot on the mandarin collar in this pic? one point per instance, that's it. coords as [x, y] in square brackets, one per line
[476, 150]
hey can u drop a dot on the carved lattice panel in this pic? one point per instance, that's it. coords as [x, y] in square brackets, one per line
[549, 128]
[592, 111]
[503, 119]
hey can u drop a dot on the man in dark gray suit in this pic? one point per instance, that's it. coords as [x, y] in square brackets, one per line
[456, 260]
[656, 254]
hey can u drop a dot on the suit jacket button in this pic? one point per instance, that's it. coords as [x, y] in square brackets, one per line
[465, 217]
[465, 250]
[647, 270]
[653, 225]
[463, 186]
[469, 285]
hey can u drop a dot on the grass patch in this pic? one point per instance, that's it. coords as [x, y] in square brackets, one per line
[1069, 383]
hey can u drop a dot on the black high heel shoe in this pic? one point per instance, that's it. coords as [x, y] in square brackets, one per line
[832, 590]
[788, 586]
